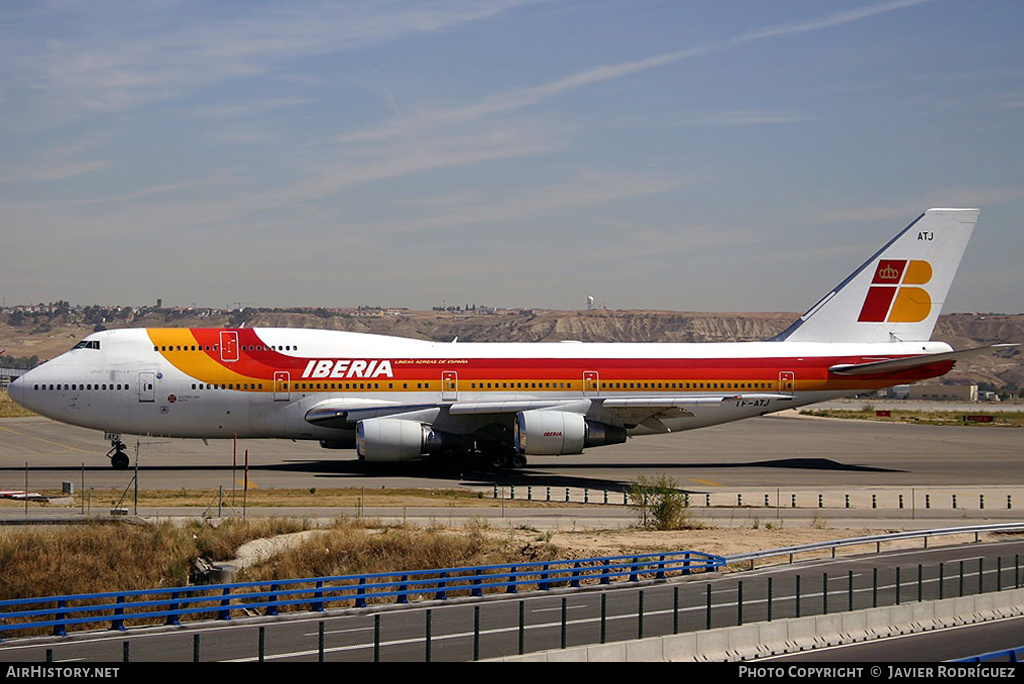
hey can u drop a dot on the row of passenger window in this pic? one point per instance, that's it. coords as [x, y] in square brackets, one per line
[302, 386]
[623, 385]
[230, 386]
[87, 387]
[215, 347]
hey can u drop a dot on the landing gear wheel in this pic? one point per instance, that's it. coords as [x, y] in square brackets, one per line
[118, 455]
[519, 461]
[498, 461]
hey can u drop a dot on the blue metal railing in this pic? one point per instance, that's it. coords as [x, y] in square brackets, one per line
[1011, 655]
[316, 593]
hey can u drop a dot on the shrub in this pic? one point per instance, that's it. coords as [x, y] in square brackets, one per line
[659, 503]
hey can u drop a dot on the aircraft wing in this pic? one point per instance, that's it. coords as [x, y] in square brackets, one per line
[883, 366]
[683, 402]
[346, 412]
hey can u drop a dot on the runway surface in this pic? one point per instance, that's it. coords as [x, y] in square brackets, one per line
[764, 453]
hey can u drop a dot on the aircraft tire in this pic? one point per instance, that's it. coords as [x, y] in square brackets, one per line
[119, 461]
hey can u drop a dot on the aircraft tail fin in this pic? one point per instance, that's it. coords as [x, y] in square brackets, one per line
[897, 294]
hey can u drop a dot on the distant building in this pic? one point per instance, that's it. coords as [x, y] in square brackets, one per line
[9, 374]
[944, 392]
[899, 391]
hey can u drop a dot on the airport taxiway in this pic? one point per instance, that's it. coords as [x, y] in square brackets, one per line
[764, 453]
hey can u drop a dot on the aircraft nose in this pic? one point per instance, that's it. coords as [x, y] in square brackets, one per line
[16, 390]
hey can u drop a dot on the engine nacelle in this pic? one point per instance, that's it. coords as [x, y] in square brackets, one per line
[553, 433]
[394, 439]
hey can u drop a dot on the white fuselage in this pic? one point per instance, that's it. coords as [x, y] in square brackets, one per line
[264, 382]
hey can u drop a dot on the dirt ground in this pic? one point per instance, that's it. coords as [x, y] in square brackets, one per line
[594, 543]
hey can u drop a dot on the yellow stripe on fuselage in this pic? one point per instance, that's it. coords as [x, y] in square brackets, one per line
[196, 364]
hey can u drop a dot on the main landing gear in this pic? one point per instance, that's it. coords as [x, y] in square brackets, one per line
[501, 457]
[118, 454]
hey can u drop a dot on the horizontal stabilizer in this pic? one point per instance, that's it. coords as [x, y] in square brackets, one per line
[908, 363]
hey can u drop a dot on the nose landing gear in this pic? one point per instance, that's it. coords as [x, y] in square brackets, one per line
[118, 454]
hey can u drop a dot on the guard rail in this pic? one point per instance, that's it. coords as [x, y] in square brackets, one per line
[219, 600]
[878, 540]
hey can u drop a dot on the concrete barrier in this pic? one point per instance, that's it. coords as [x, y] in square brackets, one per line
[789, 635]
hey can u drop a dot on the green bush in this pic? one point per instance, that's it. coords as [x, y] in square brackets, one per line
[660, 504]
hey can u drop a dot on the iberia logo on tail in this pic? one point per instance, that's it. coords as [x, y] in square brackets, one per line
[894, 296]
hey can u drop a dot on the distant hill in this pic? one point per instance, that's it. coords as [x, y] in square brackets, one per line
[47, 334]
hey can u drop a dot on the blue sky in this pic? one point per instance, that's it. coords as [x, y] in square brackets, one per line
[734, 155]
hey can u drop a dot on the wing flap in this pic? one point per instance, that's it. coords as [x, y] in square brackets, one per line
[345, 413]
[464, 408]
[682, 402]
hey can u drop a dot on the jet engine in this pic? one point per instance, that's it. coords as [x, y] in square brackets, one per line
[552, 433]
[394, 439]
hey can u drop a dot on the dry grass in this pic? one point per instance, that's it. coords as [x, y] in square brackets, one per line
[349, 498]
[119, 557]
[92, 558]
[8, 409]
[220, 543]
[350, 547]
[999, 418]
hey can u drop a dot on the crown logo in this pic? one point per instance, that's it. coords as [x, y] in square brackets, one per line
[888, 273]
[894, 295]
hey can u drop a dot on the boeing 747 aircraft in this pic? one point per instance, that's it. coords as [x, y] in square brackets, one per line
[393, 399]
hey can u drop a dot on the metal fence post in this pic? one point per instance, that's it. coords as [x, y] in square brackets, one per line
[874, 587]
[61, 629]
[639, 615]
[476, 633]
[739, 603]
[707, 620]
[797, 597]
[376, 638]
[118, 622]
[427, 635]
[564, 620]
[173, 619]
[272, 609]
[361, 593]
[522, 627]
[604, 616]
[675, 610]
[318, 604]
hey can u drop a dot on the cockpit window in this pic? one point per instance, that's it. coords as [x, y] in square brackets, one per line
[87, 344]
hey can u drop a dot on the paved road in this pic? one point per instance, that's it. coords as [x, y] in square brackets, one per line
[629, 612]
